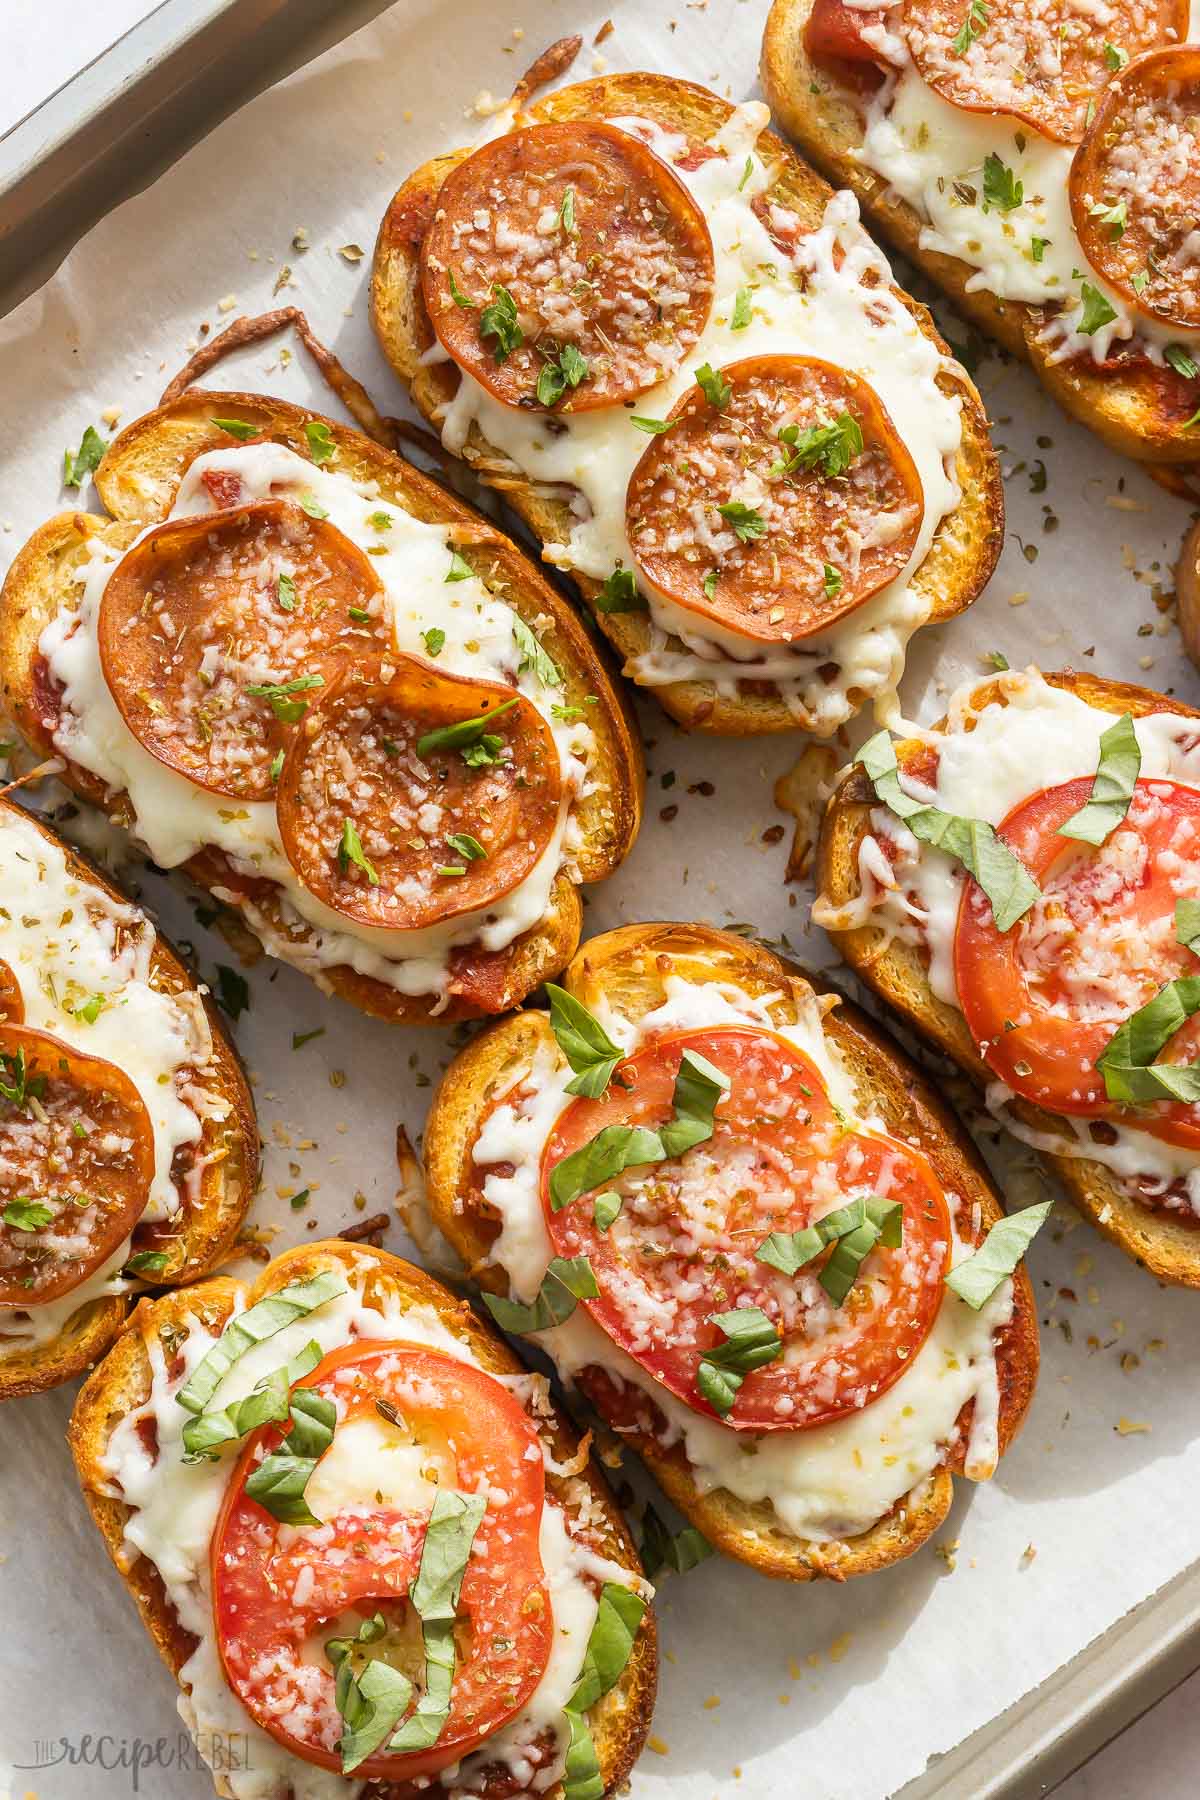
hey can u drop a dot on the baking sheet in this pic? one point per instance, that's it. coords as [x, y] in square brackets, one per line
[768, 1690]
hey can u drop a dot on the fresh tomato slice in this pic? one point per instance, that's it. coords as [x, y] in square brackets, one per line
[76, 1164]
[1044, 998]
[410, 1419]
[683, 1246]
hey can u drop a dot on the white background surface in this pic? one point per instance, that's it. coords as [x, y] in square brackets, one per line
[44, 41]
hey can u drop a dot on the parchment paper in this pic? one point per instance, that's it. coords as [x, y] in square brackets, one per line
[771, 1690]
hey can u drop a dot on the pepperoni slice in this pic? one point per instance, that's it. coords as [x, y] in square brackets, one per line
[12, 1006]
[683, 1245]
[202, 611]
[587, 243]
[771, 538]
[1044, 998]
[76, 1163]
[1043, 61]
[441, 831]
[410, 1420]
[1135, 186]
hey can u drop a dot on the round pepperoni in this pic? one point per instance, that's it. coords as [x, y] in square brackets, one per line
[12, 1006]
[410, 796]
[777, 502]
[1044, 998]
[1135, 186]
[409, 1420]
[682, 1248]
[1043, 61]
[215, 632]
[76, 1163]
[567, 266]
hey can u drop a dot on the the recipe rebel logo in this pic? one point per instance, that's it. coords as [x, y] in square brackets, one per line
[221, 1752]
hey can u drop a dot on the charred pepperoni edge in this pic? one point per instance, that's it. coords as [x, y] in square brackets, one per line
[834, 42]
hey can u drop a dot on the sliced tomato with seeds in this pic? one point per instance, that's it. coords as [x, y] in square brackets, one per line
[76, 1164]
[683, 1245]
[205, 613]
[1135, 186]
[775, 536]
[400, 838]
[1044, 998]
[601, 250]
[1043, 61]
[12, 1006]
[409, 1420]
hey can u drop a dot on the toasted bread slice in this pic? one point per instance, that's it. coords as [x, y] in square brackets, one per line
[197, 1241]
[898, 973]
[1122, 407]
[967, 542]
[620, 1721]
[137, 481]
[629, 967]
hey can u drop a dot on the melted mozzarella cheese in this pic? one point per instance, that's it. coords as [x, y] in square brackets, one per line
[834, 302]
[67, 941]
[174, 1512]
[827, 1483]
[932, 154]
[984, 773]
[175, 818]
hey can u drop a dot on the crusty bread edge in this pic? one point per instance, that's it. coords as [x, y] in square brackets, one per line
[621, 1720]
[620, 964]
[898, 974]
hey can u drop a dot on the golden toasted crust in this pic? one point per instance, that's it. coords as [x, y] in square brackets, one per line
[629, 967]
[966, 544]
[207, 1226]
[122, 1383]
[823, 118]
[137, 481]
[899, 975]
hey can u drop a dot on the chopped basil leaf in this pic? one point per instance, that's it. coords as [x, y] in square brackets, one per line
[320, 440]
[619, 594]
[751, 1341]
[146, 1262]
[359, 614]
[460, 568]
[652, 427]
[568, 1279]
[372, 1703]
[233, 991]
[1112, 790]
[312, 506]
[260, 1321]
[1002, 876]
[285, 589]
[709, 584]
[350, 851]
[380, 521]
[267, 1404]
[456, 293]
[608, 1651]
[832, 582]
[276, 769]
[747, 524]
[1096, 310]
[1187, 924]
[299, 1201]
[584, 1042]
[1181, 361]
[828, 448]
[659, 1550]
[1037, 248]
[1140, 282]
[1127, 1060]
[698, 1089]
[433, 640]
[499, 320]
[566, 213]
[1115, 217]
[21, 1086]
[605, 1210]
[884, 1222]
[612, 1151]
[715, 388]
[972, 27]
[90, 1011]
[278, 695]
[445, 1553]
[461, 736]
[996, 659]
[747, 172]
[279, 1481]
[742, 310]
[26, 1215]
[565, 370]
[1114, 57]
[468, 846]
[533, 656]
[78, 466]
[236, 428]
[1001, 189]
[977, 1279]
